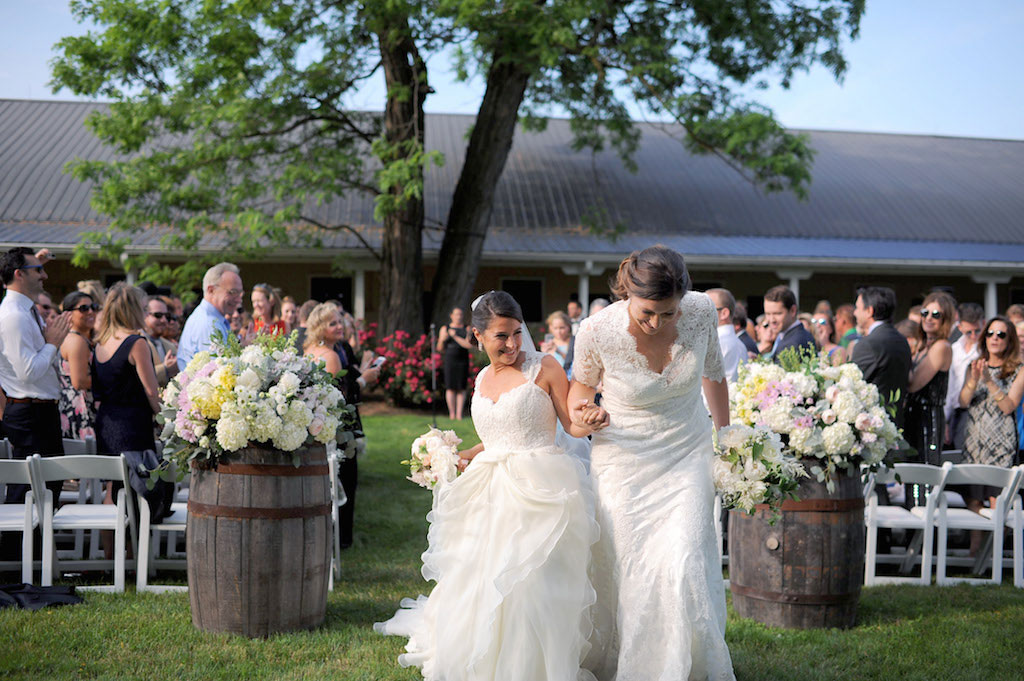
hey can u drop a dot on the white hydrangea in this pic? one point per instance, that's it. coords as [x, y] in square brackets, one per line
[779, 417]
[803, 383]
[289, 383]
[198, 361]
[232, 433]
[734, 436]
[851, 372]
[298, 414]
[249, 379]
[329, 430]
[805, 440]
[837, 438]
[847, 406]
[290, 437]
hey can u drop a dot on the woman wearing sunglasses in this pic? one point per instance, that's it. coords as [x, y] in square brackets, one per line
[925, 422]
[991, 394]
[77, 410]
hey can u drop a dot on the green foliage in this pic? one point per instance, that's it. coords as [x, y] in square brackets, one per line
[231, 129]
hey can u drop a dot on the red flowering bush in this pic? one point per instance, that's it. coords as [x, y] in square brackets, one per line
[406, 375]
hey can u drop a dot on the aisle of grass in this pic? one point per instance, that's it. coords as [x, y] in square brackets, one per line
[904, 632]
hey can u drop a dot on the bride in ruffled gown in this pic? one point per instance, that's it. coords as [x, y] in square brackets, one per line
[509, 540]
[660, 614]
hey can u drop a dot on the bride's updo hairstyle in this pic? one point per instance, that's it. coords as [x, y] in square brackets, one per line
[493, 305]
[655, 273]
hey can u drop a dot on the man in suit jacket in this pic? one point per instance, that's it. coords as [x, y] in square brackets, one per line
[882, 354]
[781, 312]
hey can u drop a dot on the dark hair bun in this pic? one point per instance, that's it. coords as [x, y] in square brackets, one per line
[655, 273]
[495, 304]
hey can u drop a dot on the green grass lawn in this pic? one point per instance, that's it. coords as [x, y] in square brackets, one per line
[904, 632]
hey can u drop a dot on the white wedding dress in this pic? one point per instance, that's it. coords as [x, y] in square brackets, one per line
[660, 614]
[509, 547]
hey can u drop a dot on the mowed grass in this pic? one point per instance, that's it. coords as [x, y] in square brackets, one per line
[904, 632]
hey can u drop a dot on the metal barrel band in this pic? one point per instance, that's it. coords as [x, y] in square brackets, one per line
[796, 599]
[199, 509]
[282, 470]
[819, 505]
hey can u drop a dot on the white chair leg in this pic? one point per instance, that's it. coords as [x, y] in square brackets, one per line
[1018, 551]
[119, 543]
[940, 563]
[143, 558]
[26, 552]
[926, 557]
[46, 571]
[997, 554]
[872, 556]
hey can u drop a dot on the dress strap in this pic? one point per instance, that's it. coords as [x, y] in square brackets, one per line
[531, 365]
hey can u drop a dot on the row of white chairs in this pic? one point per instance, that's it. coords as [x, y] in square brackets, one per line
[936, 518]
[84, 511]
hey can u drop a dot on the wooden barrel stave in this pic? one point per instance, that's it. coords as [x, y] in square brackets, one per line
[259, 575]
[812, 576]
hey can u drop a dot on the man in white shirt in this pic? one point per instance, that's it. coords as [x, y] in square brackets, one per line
[734, 352]
[29, 362]
[575, 311]
[965, 351]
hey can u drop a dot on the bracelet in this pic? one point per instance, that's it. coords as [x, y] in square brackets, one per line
[999, 397]
[972, 386]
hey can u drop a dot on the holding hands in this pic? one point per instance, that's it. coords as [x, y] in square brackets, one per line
[586, 414]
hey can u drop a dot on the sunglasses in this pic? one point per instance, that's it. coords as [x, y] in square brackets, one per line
[936, 314]
[172, 317]
[32, 267]
[160, 315]
[764, 325]
[997, 334]
[91, 307]
[819, 322]
[46, 307]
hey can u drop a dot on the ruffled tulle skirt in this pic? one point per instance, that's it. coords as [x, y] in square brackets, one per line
[509, 547]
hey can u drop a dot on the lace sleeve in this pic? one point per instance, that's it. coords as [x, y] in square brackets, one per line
[714, 369]
[586, 366]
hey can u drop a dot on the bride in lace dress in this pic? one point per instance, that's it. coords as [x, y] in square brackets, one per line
[509, 540]
[660, 614]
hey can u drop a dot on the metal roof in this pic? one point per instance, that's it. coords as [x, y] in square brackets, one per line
[874, 197]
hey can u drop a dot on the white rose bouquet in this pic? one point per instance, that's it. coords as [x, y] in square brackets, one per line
[751, 468]
[827, 416]
[264, 393]
[435, 458]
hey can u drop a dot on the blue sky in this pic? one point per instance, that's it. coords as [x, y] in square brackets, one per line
[941, 67]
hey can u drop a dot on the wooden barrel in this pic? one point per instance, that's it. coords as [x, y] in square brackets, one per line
[259, 542]
[804, 572]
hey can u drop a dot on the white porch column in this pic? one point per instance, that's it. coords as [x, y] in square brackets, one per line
[991, 298]
[129, 274]
[584, 271]
[359, 294]
[794, 277]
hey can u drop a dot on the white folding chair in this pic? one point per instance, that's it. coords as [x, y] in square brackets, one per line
[117, 517]
[1006, 479]
[148, 557]
[919, 518]
[1015, 521]
[89, 492]
[5, 449]
[338, 499]
[22, 517]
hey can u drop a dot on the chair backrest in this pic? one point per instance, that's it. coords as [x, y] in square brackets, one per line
[981, 474]
[15, 472]
[913, 473]
[84, 446]
[5, 449]
[81, 466]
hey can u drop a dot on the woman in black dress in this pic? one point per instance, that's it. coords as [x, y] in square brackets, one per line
[454, 342]
[925, 425]
[123, 378]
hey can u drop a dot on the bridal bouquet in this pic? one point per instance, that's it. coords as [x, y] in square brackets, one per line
[751, 468]
[435, 458]
[263, 393]
[827, 416]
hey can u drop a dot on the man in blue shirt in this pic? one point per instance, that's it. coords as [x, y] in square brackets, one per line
[222, 294]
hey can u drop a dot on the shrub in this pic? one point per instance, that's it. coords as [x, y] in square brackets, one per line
[405, 377]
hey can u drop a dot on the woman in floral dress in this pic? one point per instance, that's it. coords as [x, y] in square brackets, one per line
[77, 408]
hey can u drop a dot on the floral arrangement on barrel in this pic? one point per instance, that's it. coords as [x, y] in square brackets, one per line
[828, 417]
[751, 468]
[406, 375]
[264, 393]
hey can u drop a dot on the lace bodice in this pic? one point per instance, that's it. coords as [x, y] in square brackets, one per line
[522, 418]
[606, 351]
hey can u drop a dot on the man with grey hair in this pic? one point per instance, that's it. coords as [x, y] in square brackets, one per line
[222, 294]
[733, 350]
[598, 304]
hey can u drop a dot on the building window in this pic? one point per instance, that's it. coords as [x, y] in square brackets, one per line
[529, 293]
[332, 288]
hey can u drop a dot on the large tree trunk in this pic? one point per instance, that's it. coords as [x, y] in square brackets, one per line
[474, 195]
[402, 253]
